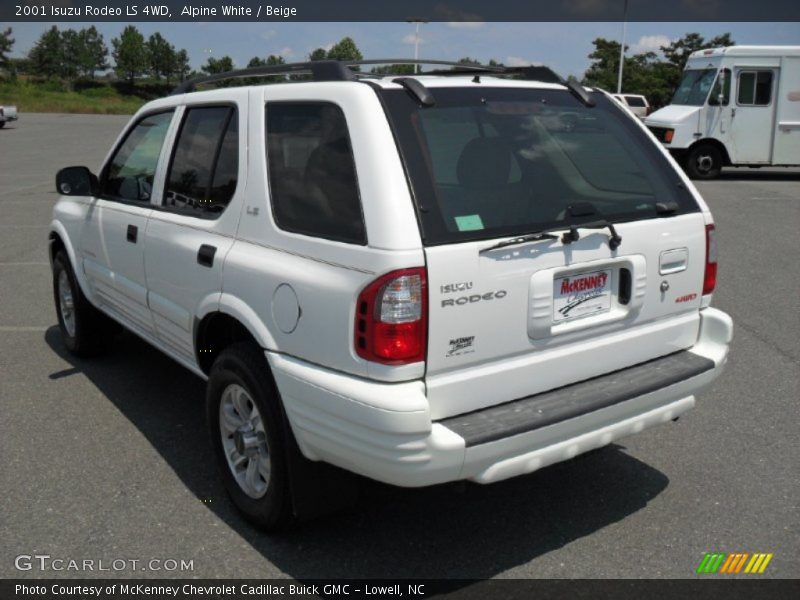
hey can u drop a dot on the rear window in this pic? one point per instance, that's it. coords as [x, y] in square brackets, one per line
[312, 172]
[489, 162]
[635, 101]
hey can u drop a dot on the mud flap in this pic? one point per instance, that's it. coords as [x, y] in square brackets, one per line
[317, 488]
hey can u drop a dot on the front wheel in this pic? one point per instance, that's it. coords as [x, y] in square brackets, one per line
[704, 162]
[246, 425]
[85, 330]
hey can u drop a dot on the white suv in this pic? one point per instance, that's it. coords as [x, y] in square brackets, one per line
[419, 279]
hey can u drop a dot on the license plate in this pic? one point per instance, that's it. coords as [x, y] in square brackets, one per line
[581, 295]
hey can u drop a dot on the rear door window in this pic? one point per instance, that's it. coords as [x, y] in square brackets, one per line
[490, 162]
[635, 101]
[312, 173]
[205, 162]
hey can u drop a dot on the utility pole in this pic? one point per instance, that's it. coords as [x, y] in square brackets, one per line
[416, 21]
[622, 47]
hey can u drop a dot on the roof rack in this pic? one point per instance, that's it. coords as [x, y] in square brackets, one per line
[334, 70]
[320, 70]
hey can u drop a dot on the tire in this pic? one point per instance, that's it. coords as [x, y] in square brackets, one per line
[84, 329]
[704, 162]
[2, 124]
[245, 421]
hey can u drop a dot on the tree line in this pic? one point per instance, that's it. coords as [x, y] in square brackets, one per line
[69, 54]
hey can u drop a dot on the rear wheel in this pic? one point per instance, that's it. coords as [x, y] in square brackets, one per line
[85, 330]
[704, 162]
[245, 420]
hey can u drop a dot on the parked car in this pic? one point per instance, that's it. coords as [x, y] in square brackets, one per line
[736, 106]
[7, 114]
[418, 279]
[637, 103]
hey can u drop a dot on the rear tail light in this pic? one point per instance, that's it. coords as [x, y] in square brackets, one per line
[710, 277]
[668, 135]
[392, 318]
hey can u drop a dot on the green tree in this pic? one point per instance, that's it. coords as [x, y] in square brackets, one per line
[393, 70]
[271, 60]
[646, 73]
[130, 54]
[256, 61]
[161, 57]
[182, 67]
[602, 72]
[6, 42]
[217, 65]
[474, 61]
[318, 54]
[345, 49]
[71, 55]
[46, 54]
[93, 52]
[677, 53]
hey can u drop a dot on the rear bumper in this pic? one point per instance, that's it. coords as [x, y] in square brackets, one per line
[8, 113]
[384, 431]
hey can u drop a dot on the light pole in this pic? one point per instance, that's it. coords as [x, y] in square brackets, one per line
[622, 47]
[416, 21]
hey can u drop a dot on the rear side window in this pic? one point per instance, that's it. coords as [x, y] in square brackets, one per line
[755, 88]
[635, 101]
[129, 175]
[205, 161]
[312, 173]
[489, 162]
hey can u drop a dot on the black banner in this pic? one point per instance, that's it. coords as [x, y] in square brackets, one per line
[507, 589]
[371, 10]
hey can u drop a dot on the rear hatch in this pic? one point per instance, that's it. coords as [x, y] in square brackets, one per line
[616, 278]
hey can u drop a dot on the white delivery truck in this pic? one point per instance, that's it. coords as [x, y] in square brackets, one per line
[734, 106]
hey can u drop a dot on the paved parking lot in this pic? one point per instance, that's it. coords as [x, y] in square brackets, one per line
[108, 459]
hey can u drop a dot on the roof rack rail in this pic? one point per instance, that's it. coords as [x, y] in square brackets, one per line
[334, 70]
[320, 70]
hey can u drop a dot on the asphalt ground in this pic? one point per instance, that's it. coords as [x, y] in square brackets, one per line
[109, 459]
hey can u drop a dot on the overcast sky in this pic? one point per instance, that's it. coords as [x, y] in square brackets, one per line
[562, 46]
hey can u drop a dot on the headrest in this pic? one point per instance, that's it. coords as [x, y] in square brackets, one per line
[484, 162]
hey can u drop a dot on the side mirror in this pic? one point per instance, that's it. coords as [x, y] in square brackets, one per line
[76, 181]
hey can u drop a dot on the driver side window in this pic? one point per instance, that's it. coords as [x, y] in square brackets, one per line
[129, 175]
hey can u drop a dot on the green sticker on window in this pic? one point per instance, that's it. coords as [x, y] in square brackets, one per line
[469, 223]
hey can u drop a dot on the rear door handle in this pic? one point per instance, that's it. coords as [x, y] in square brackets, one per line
[205, 256]
[673, 261]
[133, 233]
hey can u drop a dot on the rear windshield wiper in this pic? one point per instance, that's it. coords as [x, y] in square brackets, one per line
[531, 237]
[586, 209]
[614, 240]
